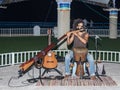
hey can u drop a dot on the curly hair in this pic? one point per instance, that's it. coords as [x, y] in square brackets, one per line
[75, 23]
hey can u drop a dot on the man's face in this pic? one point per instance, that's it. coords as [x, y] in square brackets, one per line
[79, 26]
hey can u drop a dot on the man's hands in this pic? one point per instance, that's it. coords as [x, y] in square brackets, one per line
[68, 34]
[75, 32]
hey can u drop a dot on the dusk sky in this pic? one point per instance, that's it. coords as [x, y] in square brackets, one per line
[46, 11]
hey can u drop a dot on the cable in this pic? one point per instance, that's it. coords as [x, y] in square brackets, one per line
[24, 84]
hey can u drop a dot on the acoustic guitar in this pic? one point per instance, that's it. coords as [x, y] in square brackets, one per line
[50, 60]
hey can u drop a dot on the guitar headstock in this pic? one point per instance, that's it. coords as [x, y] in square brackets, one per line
[50, 53]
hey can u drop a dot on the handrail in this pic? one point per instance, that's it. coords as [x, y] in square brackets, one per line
[11, 29]
[20, 57]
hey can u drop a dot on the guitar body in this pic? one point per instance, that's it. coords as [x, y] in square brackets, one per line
[50, 60]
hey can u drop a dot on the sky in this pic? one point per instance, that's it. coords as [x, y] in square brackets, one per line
[46, 11]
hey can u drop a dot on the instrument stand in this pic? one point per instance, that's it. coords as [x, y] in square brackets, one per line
[33, 80]
[48, 70]
[40, 77]
[96, 73]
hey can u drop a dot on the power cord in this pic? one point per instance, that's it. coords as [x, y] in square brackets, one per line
[23, 82]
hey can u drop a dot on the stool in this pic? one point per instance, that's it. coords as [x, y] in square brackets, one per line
[80, 54]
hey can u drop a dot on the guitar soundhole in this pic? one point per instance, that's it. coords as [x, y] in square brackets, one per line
[50, 61]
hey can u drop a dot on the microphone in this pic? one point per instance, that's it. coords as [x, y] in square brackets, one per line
[97, 37]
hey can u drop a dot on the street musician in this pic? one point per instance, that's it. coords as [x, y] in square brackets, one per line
[79, 38]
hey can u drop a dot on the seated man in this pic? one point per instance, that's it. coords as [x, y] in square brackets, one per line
[79, 38]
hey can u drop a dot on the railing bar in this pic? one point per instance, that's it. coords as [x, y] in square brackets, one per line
[2, 59]
[115, 56]
[109, 56]
[25, 56]
[21, 57]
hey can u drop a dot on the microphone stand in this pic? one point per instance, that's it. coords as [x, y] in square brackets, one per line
[96, 42]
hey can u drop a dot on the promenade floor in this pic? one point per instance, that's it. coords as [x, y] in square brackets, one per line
[9, 79]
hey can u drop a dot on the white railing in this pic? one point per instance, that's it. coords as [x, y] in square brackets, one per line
[11, 32]
[20, 57]
[106, 56]
[11, 29]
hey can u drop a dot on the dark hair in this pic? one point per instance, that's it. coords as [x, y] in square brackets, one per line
[75, 23]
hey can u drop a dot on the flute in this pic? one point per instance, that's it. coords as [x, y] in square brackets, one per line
[76, 31]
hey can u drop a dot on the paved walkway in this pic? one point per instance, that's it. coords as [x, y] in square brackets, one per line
[9, 80]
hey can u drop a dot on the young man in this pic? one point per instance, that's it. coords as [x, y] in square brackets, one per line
[79, 37]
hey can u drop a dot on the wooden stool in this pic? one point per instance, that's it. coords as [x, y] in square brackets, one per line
[80, 54]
